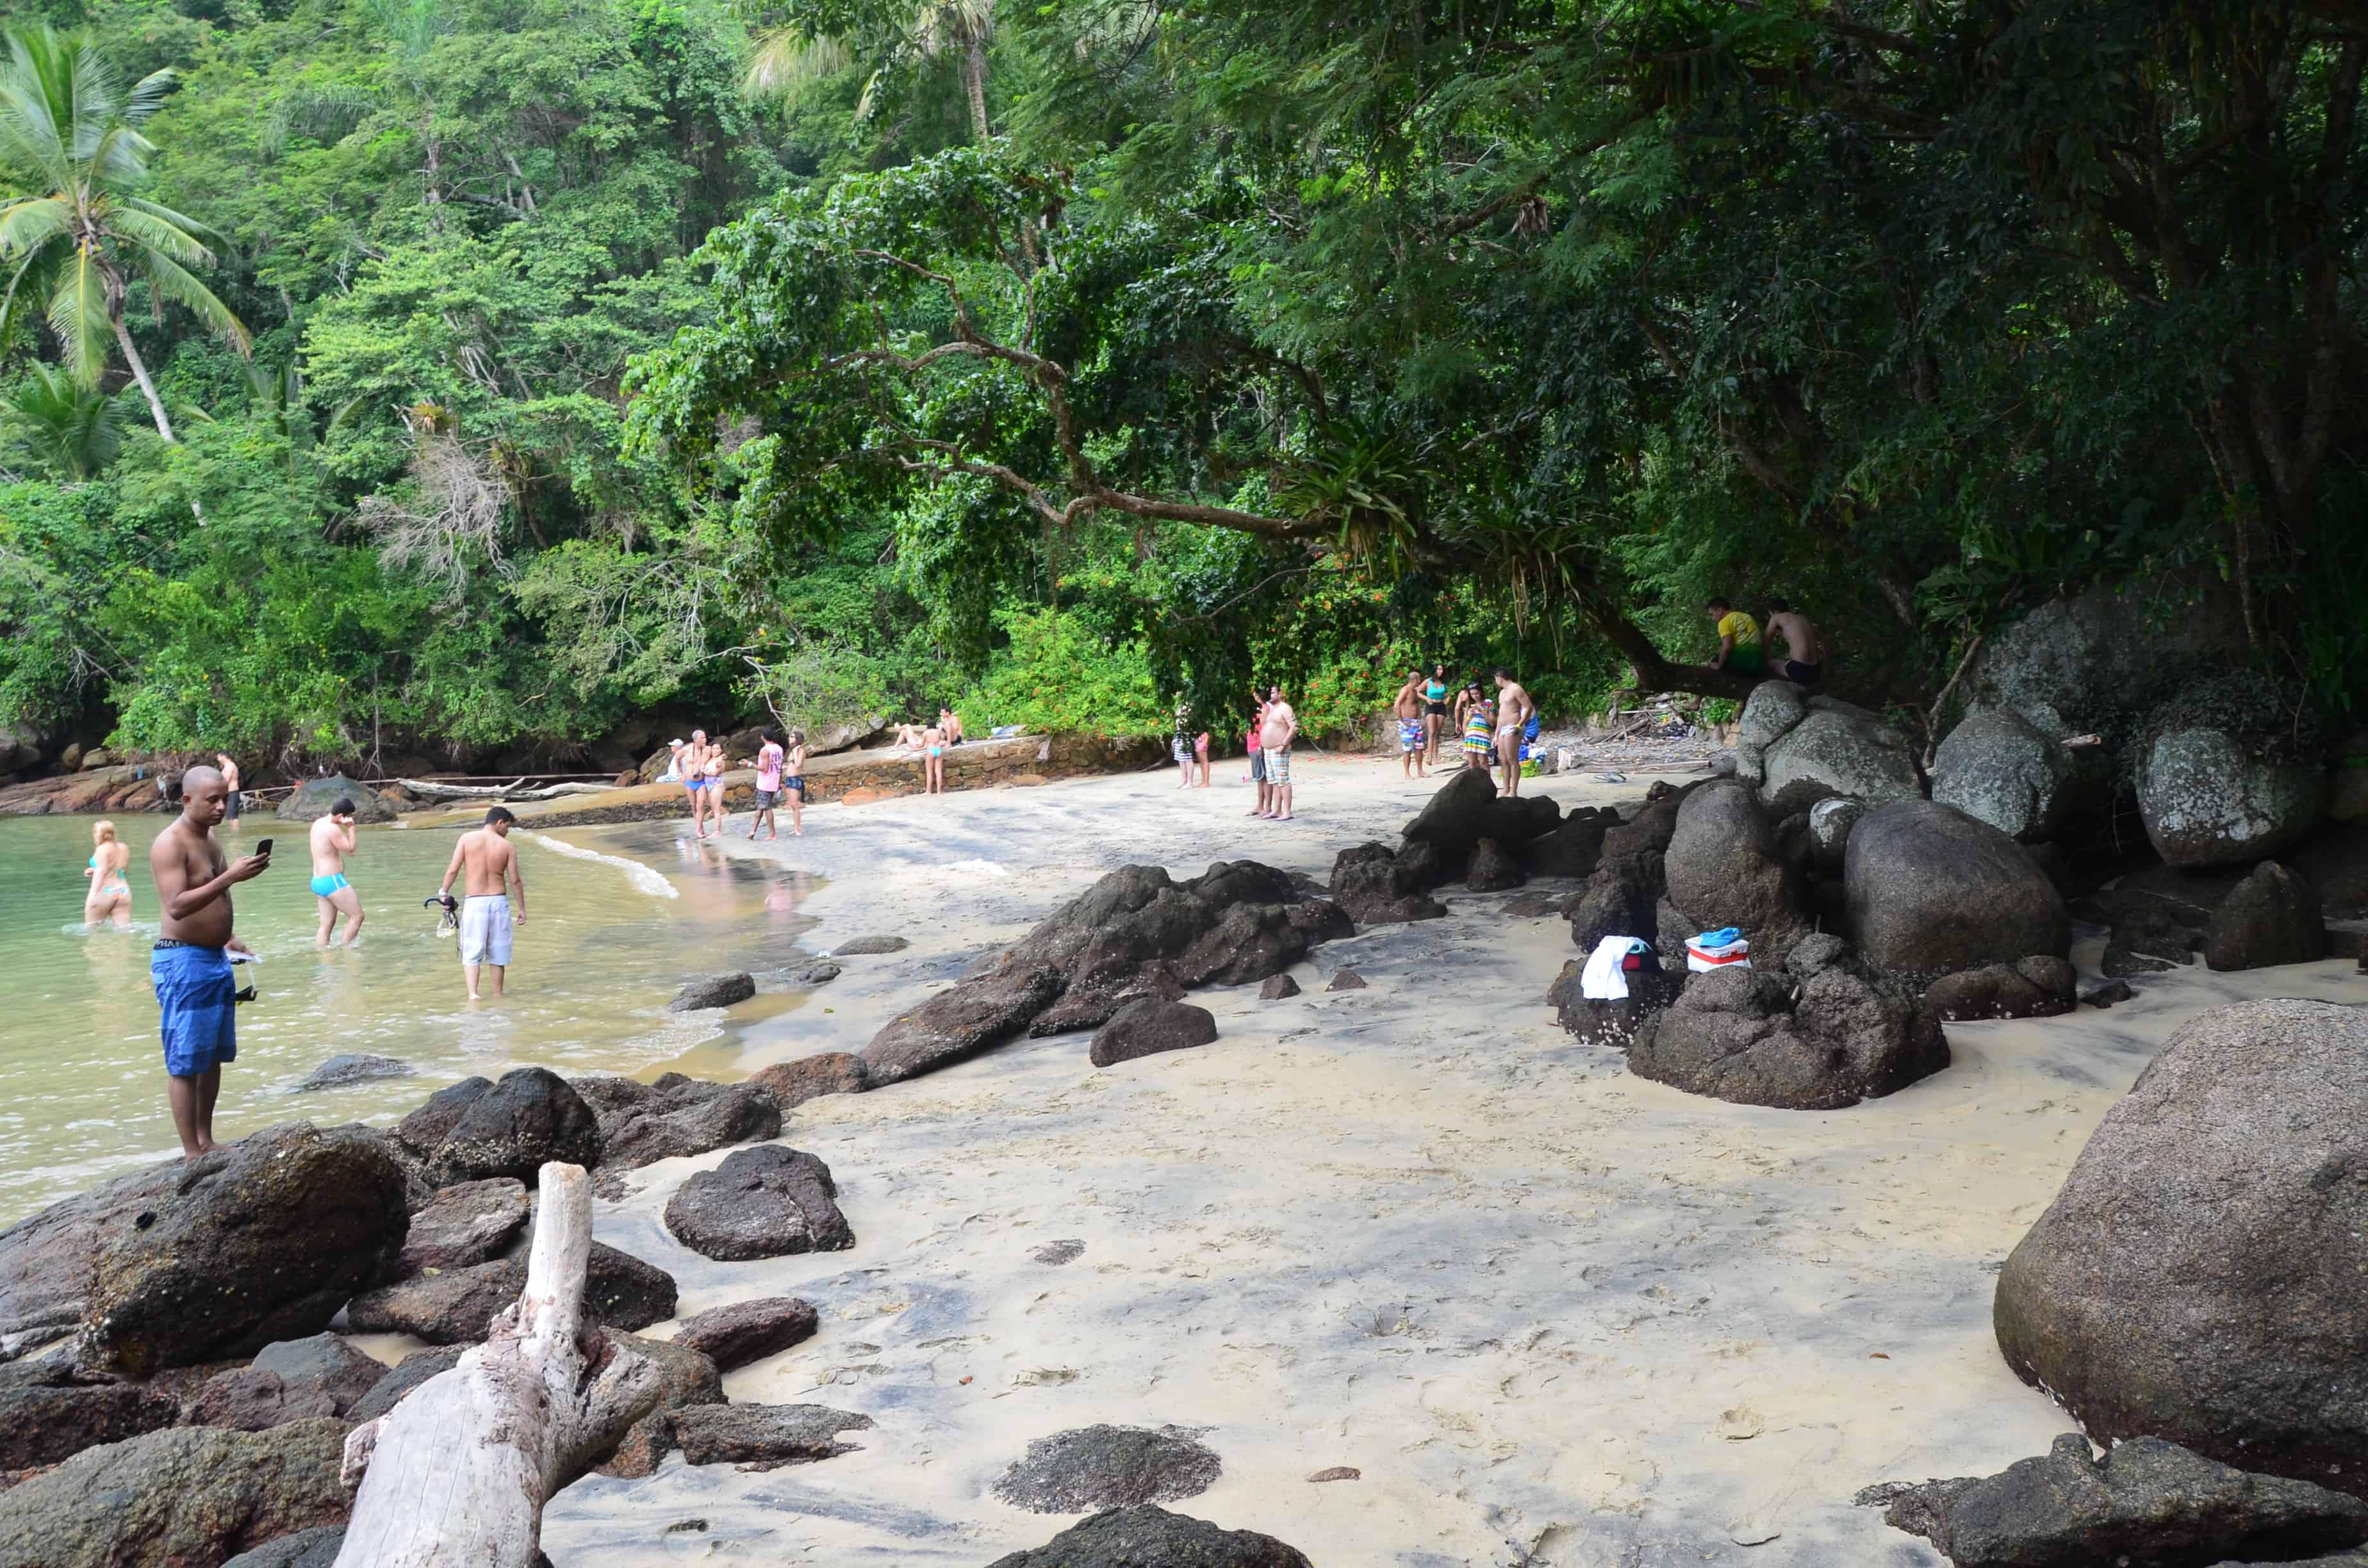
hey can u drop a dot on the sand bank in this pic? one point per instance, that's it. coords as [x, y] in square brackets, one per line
[1553, 1313]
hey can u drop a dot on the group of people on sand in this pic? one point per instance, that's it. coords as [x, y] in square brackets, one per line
[1495, 719]
[698, 765]
[930, 741]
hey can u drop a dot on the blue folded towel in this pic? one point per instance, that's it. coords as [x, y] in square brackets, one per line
[1720, 938]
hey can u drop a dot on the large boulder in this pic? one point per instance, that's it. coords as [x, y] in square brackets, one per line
[702, 991]
[476, 1130]
[1929, 890]
[1572, 849]
[1824, 1034]
[1622, 899]
[401, 1378]
[675, 1116]
[1091, 1468]
[315, 1548]
[2272, 918]
[959, 1022]
[2077, 665]
[313, 798]
[2000, 767]
[1150, 1025]
[267, 1245]
[1150, 1536]
[768, 1201]
[1773, 710]
[2146, 1502]
[1492, 868]
[1610, 1021]
[2207, 800]
[295, 1380]
[1838, 749]
[46, 1260]
[1377, 886]
[1649, 830]
[1458, 814]
[180, 1498]
[2198, 1277]
[1722, 868]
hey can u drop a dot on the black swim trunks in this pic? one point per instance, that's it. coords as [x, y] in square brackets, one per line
[1803, 675]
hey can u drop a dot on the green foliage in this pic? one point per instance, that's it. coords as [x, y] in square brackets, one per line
[1055, 675]
[59, 427]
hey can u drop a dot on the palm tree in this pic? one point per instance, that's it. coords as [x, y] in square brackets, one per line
[68, 429]
[68, 131]
[788, 57]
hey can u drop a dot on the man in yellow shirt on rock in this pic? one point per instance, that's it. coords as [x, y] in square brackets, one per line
[1738, 640]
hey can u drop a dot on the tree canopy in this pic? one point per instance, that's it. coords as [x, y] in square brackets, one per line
[875, 355]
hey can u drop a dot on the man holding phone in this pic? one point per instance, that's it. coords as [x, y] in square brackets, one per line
[191, 964]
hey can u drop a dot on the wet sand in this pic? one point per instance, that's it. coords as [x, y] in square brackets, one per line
[1553, 1313]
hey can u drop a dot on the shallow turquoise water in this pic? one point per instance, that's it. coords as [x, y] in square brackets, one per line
[82, 1087]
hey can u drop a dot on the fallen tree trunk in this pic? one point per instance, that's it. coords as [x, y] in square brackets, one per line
[456, 1475]
[430, 789]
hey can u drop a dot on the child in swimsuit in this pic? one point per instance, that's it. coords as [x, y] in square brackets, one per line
[1479, 733]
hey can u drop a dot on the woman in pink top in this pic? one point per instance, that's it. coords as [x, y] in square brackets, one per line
[767, 764]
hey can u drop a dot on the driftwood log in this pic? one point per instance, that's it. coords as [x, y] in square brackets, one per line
[431, 790]
[456, 1475]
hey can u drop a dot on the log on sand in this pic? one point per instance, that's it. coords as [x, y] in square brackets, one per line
[455, 1476]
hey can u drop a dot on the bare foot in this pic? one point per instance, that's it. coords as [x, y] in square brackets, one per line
[1279, 819]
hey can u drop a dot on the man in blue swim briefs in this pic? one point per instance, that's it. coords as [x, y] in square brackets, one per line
[485, 918]
[333, 840]
[191, 966]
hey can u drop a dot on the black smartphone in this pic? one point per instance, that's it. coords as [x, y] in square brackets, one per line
[263, 847]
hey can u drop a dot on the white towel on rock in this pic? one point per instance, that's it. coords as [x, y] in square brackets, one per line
[1604, 980]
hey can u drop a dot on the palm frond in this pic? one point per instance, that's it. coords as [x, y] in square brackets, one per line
[70, 430]
[80, 317]
[93, 107]
[27, 224]
[148, 95]
[167, 278]
[786, 59]
[149, 232]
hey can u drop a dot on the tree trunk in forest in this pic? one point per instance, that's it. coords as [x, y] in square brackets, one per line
[975, 80]
[1655, 673]
[140, 373]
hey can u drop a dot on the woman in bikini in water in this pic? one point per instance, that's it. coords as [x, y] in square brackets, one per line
[110, 895]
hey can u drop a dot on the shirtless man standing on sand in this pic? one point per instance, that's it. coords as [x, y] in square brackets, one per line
[492, 864]
[1514, 711]
[190, 966]
[1408, 708]
[1277, 730]
[333, 840]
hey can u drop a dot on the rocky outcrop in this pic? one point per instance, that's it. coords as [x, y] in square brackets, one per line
[764, 1436]
[1091, 1006]
[2076, 664]
[2002, 769]
[1929, 890]
[734, 1336]
[46, 1260]
[1492, 869]
[1572, 849]
[702, 991]
[2197, 1278]
[675, 1116]
[870, 946]
[313, 799]
[1467, 808]
[1823, 1034]
[2146, 1502]
[46, 1421]
[476, 1130]
[1235, 924]
[1799, 750]
[1649, 830]
[2272, 918]
[187, 1496]
[1148, 1537]
[1722, 868]
[1620, 899]
[768, 1201]
[2206, 801]
[687, 1378]
[265, 1246]
[2035, 987]
[296, 1380]
[791, 1083]
[1091, 1468]
[467, 1222]
[1150, 1025]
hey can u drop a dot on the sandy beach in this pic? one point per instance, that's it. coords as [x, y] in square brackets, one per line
[1553, 1313]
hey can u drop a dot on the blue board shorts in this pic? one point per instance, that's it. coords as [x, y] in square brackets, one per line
[335, 882]
[200, 1021]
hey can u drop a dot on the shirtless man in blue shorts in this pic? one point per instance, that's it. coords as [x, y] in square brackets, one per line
[191, 966]
[332, 841]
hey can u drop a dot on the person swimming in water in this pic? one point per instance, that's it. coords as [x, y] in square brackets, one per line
[109, 897]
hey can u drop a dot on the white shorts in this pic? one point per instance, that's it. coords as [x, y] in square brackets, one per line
[485, 929]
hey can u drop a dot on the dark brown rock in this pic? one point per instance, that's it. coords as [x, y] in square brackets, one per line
[1756, 1037]
[959, 1022]
[764, 1436]
[2036, 987]
[703, 990]
[688, 1377]
[1571, 850]
[405, 1375]
[1622, 899]
[768, 1201]
[1932, 891]
[1724, 866]
[1091, 1468]
[1613, 1021]
[1492, 869]
[295, 1380]
[734, 1336]
[266, 1245]
[1346, 980]
[1278, 988]
[1150, 1025]
[41, 1424]
[466, 1223]
[511, 1129]
[457, 1306]
[791, 1083]
[1150, 1536]
[677, 1117]
[46, 1260]
[2272, 918]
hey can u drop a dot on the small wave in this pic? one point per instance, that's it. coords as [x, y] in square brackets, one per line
[978, 868]
[643, 879]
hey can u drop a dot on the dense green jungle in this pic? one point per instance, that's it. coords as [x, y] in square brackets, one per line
[477, 378]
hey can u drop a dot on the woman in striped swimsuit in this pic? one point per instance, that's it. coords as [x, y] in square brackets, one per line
[1479, 730]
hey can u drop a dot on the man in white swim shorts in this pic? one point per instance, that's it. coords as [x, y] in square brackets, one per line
[492, 877]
